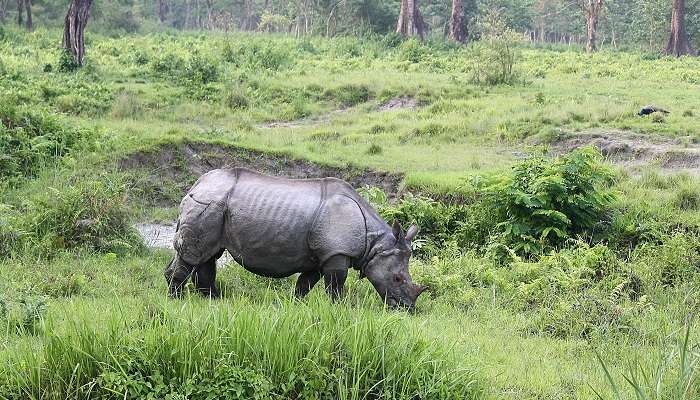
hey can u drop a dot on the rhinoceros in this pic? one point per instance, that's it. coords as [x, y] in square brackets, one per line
[276, 227]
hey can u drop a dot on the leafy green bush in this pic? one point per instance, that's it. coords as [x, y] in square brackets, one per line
[412, 51]
[200, 70]
[466, 225]
[30, 140]
[66, 62]
[254, 56]
[494, 58]
[168, 65]
[349, 95]
[544, 202]
[88, 212]
[235, 100]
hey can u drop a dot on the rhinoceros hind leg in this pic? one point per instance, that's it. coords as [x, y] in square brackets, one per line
[176, 274]
[204, 278]
[306, 282]
[335, 271]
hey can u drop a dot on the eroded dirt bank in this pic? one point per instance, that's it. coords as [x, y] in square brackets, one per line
[177, 166]
[636, 151]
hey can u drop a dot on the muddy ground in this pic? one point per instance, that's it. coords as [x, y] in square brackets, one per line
[168, 171]
[636, 152]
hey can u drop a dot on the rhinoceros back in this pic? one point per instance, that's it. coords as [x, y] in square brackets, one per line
[268, 223]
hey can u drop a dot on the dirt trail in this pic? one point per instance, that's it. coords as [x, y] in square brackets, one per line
[397, 103]
[635, 151]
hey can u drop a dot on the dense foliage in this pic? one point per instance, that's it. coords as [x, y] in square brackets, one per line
[639, 24]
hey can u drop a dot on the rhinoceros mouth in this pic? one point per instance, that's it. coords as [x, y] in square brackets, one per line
[398, 304]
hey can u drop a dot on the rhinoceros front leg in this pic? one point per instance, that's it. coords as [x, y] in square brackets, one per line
[335, 271]
[204, 278]
[176, 274]
[306, 282]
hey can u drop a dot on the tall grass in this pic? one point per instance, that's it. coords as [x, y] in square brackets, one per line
[195, 350]
[672, 375]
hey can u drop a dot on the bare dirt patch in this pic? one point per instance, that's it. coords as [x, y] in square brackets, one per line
[635, 151]
[399, 103]
[305, 122]
[168, 171]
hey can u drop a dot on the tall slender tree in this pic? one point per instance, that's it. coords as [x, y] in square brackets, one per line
[591, 9]
[28, 9]
[20, 12]
[679, 44]
[74, 28]
[3, 11]
[458, 29]
[410, 19]
[163, 8]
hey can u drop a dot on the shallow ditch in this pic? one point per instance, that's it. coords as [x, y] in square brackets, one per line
[167, 172]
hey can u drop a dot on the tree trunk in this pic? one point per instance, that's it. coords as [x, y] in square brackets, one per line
[678, 43]
[76, 20]
[3, 11]
[591, 9]
[188, 11]
[28, 8]
[591, 28]
[163, 9]
[410, 19]
[458, 31]
[210, 15]
[20, 12]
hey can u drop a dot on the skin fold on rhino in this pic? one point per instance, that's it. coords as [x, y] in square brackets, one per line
[277, 227]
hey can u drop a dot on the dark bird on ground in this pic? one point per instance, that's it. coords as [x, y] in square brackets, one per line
[646, 110]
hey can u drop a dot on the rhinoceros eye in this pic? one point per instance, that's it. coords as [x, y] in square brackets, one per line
[398, 278]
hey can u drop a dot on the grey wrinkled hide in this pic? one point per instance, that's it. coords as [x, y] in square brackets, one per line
[277, 227]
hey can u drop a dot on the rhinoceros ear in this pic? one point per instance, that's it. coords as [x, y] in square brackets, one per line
[397, 231]
[411, 233]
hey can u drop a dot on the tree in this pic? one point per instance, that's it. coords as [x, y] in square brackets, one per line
[3, 11]
[163, 9]
[410, 19]
[20, 12]
[678, 43]
[28, 8]
[76, 20]
[591, 9]
[458, 30]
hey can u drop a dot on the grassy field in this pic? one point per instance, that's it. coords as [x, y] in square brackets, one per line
[603, 310]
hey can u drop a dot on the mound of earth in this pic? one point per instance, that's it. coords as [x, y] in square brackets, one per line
[635, 151]
[177, 166]
[399, 103]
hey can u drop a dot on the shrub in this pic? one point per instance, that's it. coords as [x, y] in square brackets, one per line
[495, 56]
[687, 198]
[30, 140]
[235, 100]
[374, 149]
[89, 213]
[200, 70]
[412, 51]
[66, 62]
[544, 202]
[168, 65]
[349, 95]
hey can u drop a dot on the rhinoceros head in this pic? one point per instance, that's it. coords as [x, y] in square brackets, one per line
[387, 270]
